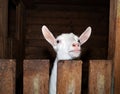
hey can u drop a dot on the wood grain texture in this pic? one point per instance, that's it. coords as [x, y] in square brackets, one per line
[36, 76]
[100, 76]
[3, 28]
[117, 50]
[69, 77]
[72, 21]
[114, 42]
[7, 76]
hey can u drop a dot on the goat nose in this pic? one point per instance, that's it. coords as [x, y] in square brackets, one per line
[75, 45]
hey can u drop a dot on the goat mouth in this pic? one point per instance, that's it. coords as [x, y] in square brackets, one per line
[76, 51]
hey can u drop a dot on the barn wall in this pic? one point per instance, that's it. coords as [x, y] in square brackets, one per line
[61, 18]
[68, 20]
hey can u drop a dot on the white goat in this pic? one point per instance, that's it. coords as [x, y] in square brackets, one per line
[67, 46]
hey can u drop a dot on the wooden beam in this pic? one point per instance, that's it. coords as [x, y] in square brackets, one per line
[20, 30]
[114, 42]
[19, 45]
[3, 28]
[112, 28]
[117, 50]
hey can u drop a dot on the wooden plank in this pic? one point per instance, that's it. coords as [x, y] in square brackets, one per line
[57, 28]
[1, 50]
[69, 77]
[100, 75]
[32, 21]
[36, 76]
[63, 21]
[112, 29]
[64, 5]
[94, 53]
[38, 52]
[3, 27]
[114, 42]
[71, 14]
[39, 56]
[7, 76]
[117, 50]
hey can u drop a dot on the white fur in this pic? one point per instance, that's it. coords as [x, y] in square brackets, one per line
[68, 48]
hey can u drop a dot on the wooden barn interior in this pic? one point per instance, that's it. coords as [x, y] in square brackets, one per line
[21, 37]
[59, 16]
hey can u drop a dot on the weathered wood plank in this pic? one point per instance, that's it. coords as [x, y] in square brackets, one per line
[7, 76]
[112, 28]
[36, 76]
[100, 75]
[69, 77]
[117, 50]
[114, 42]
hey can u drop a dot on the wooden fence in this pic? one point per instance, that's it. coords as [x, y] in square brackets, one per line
[36, 77]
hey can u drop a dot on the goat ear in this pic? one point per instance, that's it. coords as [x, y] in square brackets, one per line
[48, 35]
[85, 35]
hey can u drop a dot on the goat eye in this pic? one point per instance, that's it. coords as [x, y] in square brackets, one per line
[79, 41]
[58, 41]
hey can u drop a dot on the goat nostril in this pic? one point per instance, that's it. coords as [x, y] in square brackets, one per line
[73, 45]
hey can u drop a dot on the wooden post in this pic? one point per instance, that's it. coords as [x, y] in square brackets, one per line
[69, 77]
[19, 45]
[114, 42]
[3, 28]
[112, 25]
[20, 31]
[100, 77]
[36, 77]
[7, 76]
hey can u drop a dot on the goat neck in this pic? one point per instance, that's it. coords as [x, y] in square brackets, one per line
[53, 79]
